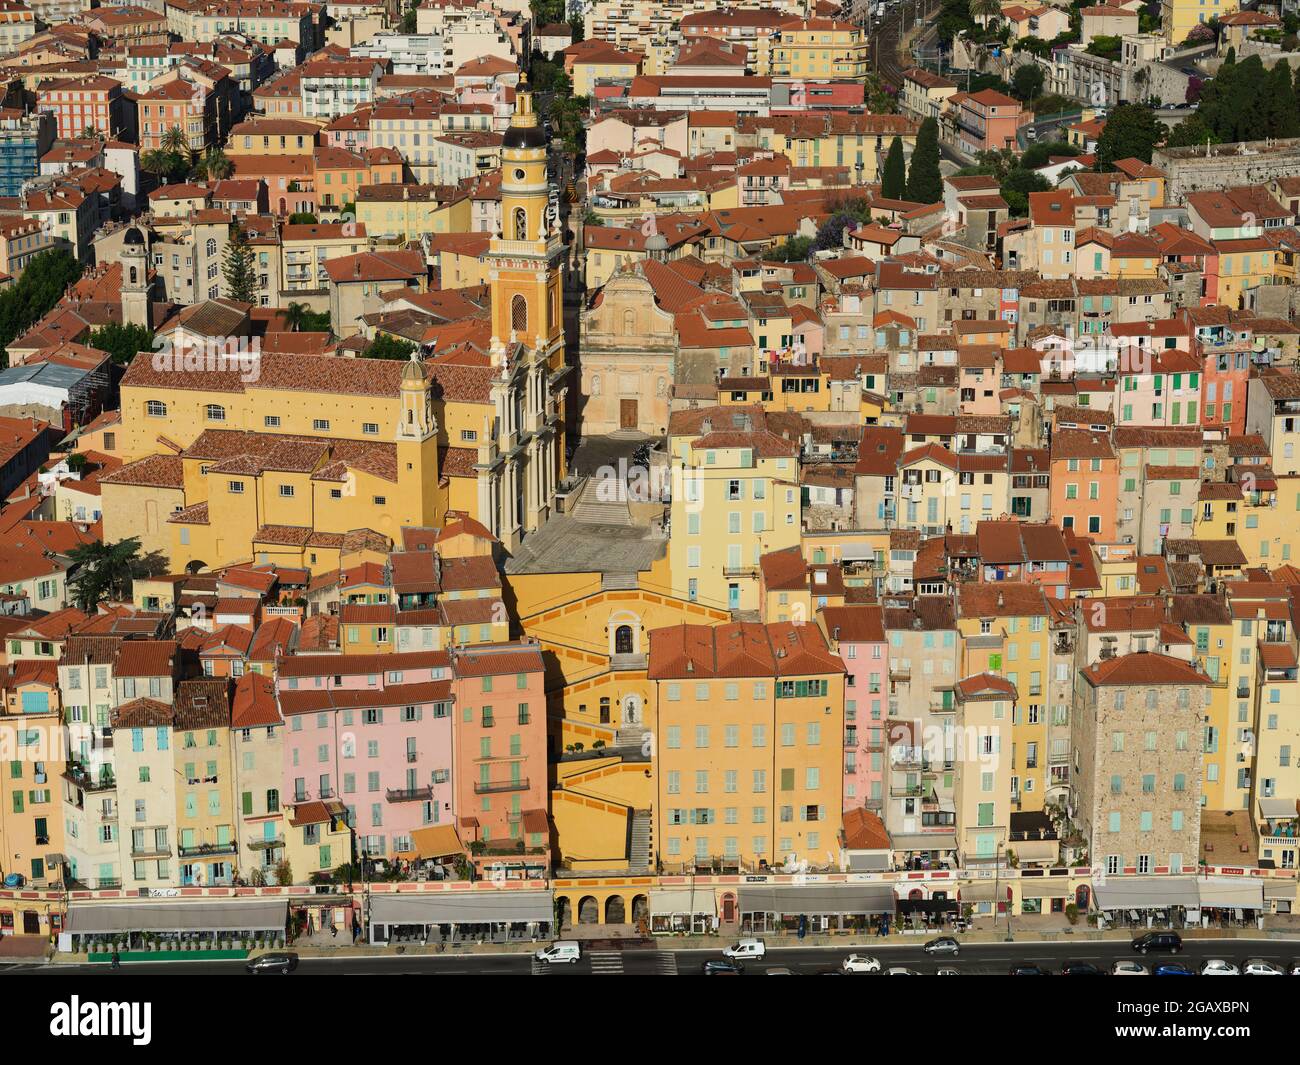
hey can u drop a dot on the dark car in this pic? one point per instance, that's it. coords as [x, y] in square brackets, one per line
[1158, 941]
[1172, 968]
[1079, 968]
[722, 967]
[273, 963]
[943, 945]
[1029, 970]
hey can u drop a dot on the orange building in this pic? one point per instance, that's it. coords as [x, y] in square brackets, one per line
[1085, 483]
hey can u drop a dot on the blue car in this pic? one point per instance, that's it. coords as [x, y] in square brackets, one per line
[1172, 968]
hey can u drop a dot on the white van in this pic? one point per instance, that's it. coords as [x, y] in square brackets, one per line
[747, 948]
[564, 951]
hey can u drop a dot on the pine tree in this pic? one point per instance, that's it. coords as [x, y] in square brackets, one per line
[924, 182]
[238, 267]
[893, 182]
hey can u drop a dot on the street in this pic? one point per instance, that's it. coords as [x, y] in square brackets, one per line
[976, 959]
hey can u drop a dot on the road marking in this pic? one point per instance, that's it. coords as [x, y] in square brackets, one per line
[667, 963]
[606, 963]
[539, 969]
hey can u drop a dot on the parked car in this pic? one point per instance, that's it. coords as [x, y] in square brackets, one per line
[780, 970]
[722, 967]
[1295, 968]
[1080, 968]
[1158, 941]
[565, 952]
[273, 963]
[943, 945]
[947, 971]
[899, 970]
[1029, 969]
[746, 948]
[861, 963]
[1172, 968]
[1260, 967]
[1129, 968]
[1219, 967]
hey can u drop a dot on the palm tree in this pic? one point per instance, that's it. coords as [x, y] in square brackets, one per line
[214, 165]
[156, 162]
[985, 11]
[92, 133]
[174, 140]
[296, 315]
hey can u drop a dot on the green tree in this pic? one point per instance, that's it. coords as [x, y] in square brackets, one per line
[1190, 132]
[105, 571]
[794, 250]
[295, 315]
[1017, 186]
[408, 19]
[387, 346]
[92, 133]
[238, 267]
[214, 165]
[122, 342]
[302, 218]
[1027, 82]
[174, 140]
[893, 182]
[1038, 154]
[924, 181]
[1131, 132]
[1279, 102]
[41, 285]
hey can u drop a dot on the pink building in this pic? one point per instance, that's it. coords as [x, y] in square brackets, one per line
[376, 732]
[500, 757]
[986, 121]
[1165, 393]
[858, 634]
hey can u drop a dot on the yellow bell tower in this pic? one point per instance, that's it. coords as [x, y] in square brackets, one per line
[526, 276]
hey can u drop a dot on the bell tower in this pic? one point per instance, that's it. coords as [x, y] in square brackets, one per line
[135, 278]
[526, 277]
[419, 498]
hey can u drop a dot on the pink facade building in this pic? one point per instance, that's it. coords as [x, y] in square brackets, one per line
[374, 731]
[500, 756]
[857, 632]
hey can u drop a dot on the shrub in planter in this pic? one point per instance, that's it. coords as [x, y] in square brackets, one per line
[1072, 913]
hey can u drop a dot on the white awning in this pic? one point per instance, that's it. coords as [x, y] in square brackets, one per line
[1145, 892]
[1277, 808]
[810, 899]
[1231, 892]
[258, 915]
[683, 900]
[857, 552]
[925, 841]
[985, 891]
[1279, 887]
[463, 907]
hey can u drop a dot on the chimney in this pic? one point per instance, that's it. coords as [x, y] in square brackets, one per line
[706, 427]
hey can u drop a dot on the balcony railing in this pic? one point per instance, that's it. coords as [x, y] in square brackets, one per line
[262, 844]
[204, 850]
[489, 787]
[409, 794]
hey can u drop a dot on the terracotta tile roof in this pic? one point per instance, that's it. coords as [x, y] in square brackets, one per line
[1143, 668]
[740, 649]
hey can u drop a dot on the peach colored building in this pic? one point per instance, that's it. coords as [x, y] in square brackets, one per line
[1085, 482]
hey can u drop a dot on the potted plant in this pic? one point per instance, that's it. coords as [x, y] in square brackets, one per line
[1072, 912]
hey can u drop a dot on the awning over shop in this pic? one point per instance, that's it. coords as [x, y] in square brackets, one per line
[261, 915]
[683, 900]
[462, 907]
[811, 899]
[926, 841]
[1231, 892]
[1145, 892]
[1045, 888]
[436, 841]
[985, 891]
[1279, 888]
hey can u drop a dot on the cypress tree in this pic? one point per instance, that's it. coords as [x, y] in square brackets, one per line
[893, 182]
[925, 182]
[238, 267]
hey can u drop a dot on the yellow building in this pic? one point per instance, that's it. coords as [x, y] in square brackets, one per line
[737, 498]
[1004, 632]
[207, 850]
[815, 48]
[410, 212]
[597, 62]
[982, 781]
[751, 725]
[317, 838]
[1179, 17]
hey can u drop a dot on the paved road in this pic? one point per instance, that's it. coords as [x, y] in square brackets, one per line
[975, 959]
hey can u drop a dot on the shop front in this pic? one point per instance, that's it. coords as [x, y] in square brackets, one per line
[446, 917]
[1230, 901]
[683, 911]
[1049, 894]
[1147, 901]
[814, 908]
[147, 929]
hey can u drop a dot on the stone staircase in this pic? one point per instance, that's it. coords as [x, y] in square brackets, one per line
[638, 859]
[591, 510]
[630, 737]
